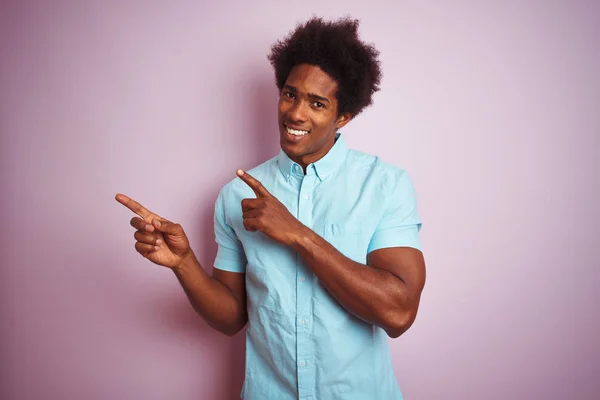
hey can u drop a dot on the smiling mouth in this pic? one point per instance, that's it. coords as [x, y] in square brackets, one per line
[295, 132]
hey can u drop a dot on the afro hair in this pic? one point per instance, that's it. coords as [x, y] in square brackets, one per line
[335, 48]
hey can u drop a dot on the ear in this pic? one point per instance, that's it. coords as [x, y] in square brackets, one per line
[342, 120]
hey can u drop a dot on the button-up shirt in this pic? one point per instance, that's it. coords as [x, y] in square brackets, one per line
[300, 342]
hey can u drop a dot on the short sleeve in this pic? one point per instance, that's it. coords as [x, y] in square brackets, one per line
[230, 252]
[400, 224]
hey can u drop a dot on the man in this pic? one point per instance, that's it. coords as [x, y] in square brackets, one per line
[318, 248]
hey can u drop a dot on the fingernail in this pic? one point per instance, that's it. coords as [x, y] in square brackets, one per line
[240, 172]
[157, 223]
[158, 242]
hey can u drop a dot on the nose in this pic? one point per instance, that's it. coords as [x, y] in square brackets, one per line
[297, 112]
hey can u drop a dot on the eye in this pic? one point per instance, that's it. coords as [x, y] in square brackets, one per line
[289, 95]
[318, 104]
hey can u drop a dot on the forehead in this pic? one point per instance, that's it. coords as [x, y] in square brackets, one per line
[312, 79]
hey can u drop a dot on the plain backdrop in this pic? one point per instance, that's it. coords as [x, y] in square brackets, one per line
[493, 108]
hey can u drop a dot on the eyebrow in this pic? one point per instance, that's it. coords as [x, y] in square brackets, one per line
[313, 96]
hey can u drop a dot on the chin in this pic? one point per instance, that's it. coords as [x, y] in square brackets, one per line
[293, 150]
[290, 148]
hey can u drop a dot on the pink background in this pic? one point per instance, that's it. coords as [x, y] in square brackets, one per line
[493, 109]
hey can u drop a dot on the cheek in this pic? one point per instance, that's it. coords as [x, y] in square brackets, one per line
[282, 106]
[323, 123]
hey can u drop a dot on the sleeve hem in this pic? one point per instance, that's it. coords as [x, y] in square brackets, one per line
[395, 238]
[224, 266]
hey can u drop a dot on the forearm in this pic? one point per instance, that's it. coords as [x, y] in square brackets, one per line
[373, 295]
[213, 300]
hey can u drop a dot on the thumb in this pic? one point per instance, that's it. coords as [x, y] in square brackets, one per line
[167, 227]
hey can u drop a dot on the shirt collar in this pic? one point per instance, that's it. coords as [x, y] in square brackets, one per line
[323, 167]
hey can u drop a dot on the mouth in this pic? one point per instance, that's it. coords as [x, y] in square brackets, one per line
[295, 133]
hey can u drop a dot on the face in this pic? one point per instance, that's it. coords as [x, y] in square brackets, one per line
[308, 114]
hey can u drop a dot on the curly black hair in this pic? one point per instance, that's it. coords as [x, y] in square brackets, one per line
[335, 48]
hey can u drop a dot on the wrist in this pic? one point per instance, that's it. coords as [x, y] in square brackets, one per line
[188, 261]
[301, 237]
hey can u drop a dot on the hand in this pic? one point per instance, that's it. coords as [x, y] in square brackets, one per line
[160, 241]
[267, 214]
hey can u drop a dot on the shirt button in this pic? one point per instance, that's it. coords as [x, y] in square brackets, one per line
[303, 364]
[302, 321]
[305, 197]
[301, 279]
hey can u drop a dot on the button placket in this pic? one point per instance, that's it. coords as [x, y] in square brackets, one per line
[304, 349]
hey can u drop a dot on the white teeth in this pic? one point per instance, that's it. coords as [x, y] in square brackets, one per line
[296, 132]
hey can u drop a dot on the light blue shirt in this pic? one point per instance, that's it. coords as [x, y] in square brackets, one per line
[300, 342]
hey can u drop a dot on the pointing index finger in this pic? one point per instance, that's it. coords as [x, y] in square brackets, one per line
[133, 205]
[254, 184]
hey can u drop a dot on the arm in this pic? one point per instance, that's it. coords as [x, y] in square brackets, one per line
[220, 299]
[385, 292]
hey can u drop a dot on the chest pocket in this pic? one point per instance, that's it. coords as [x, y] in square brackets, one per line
[350, 239]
